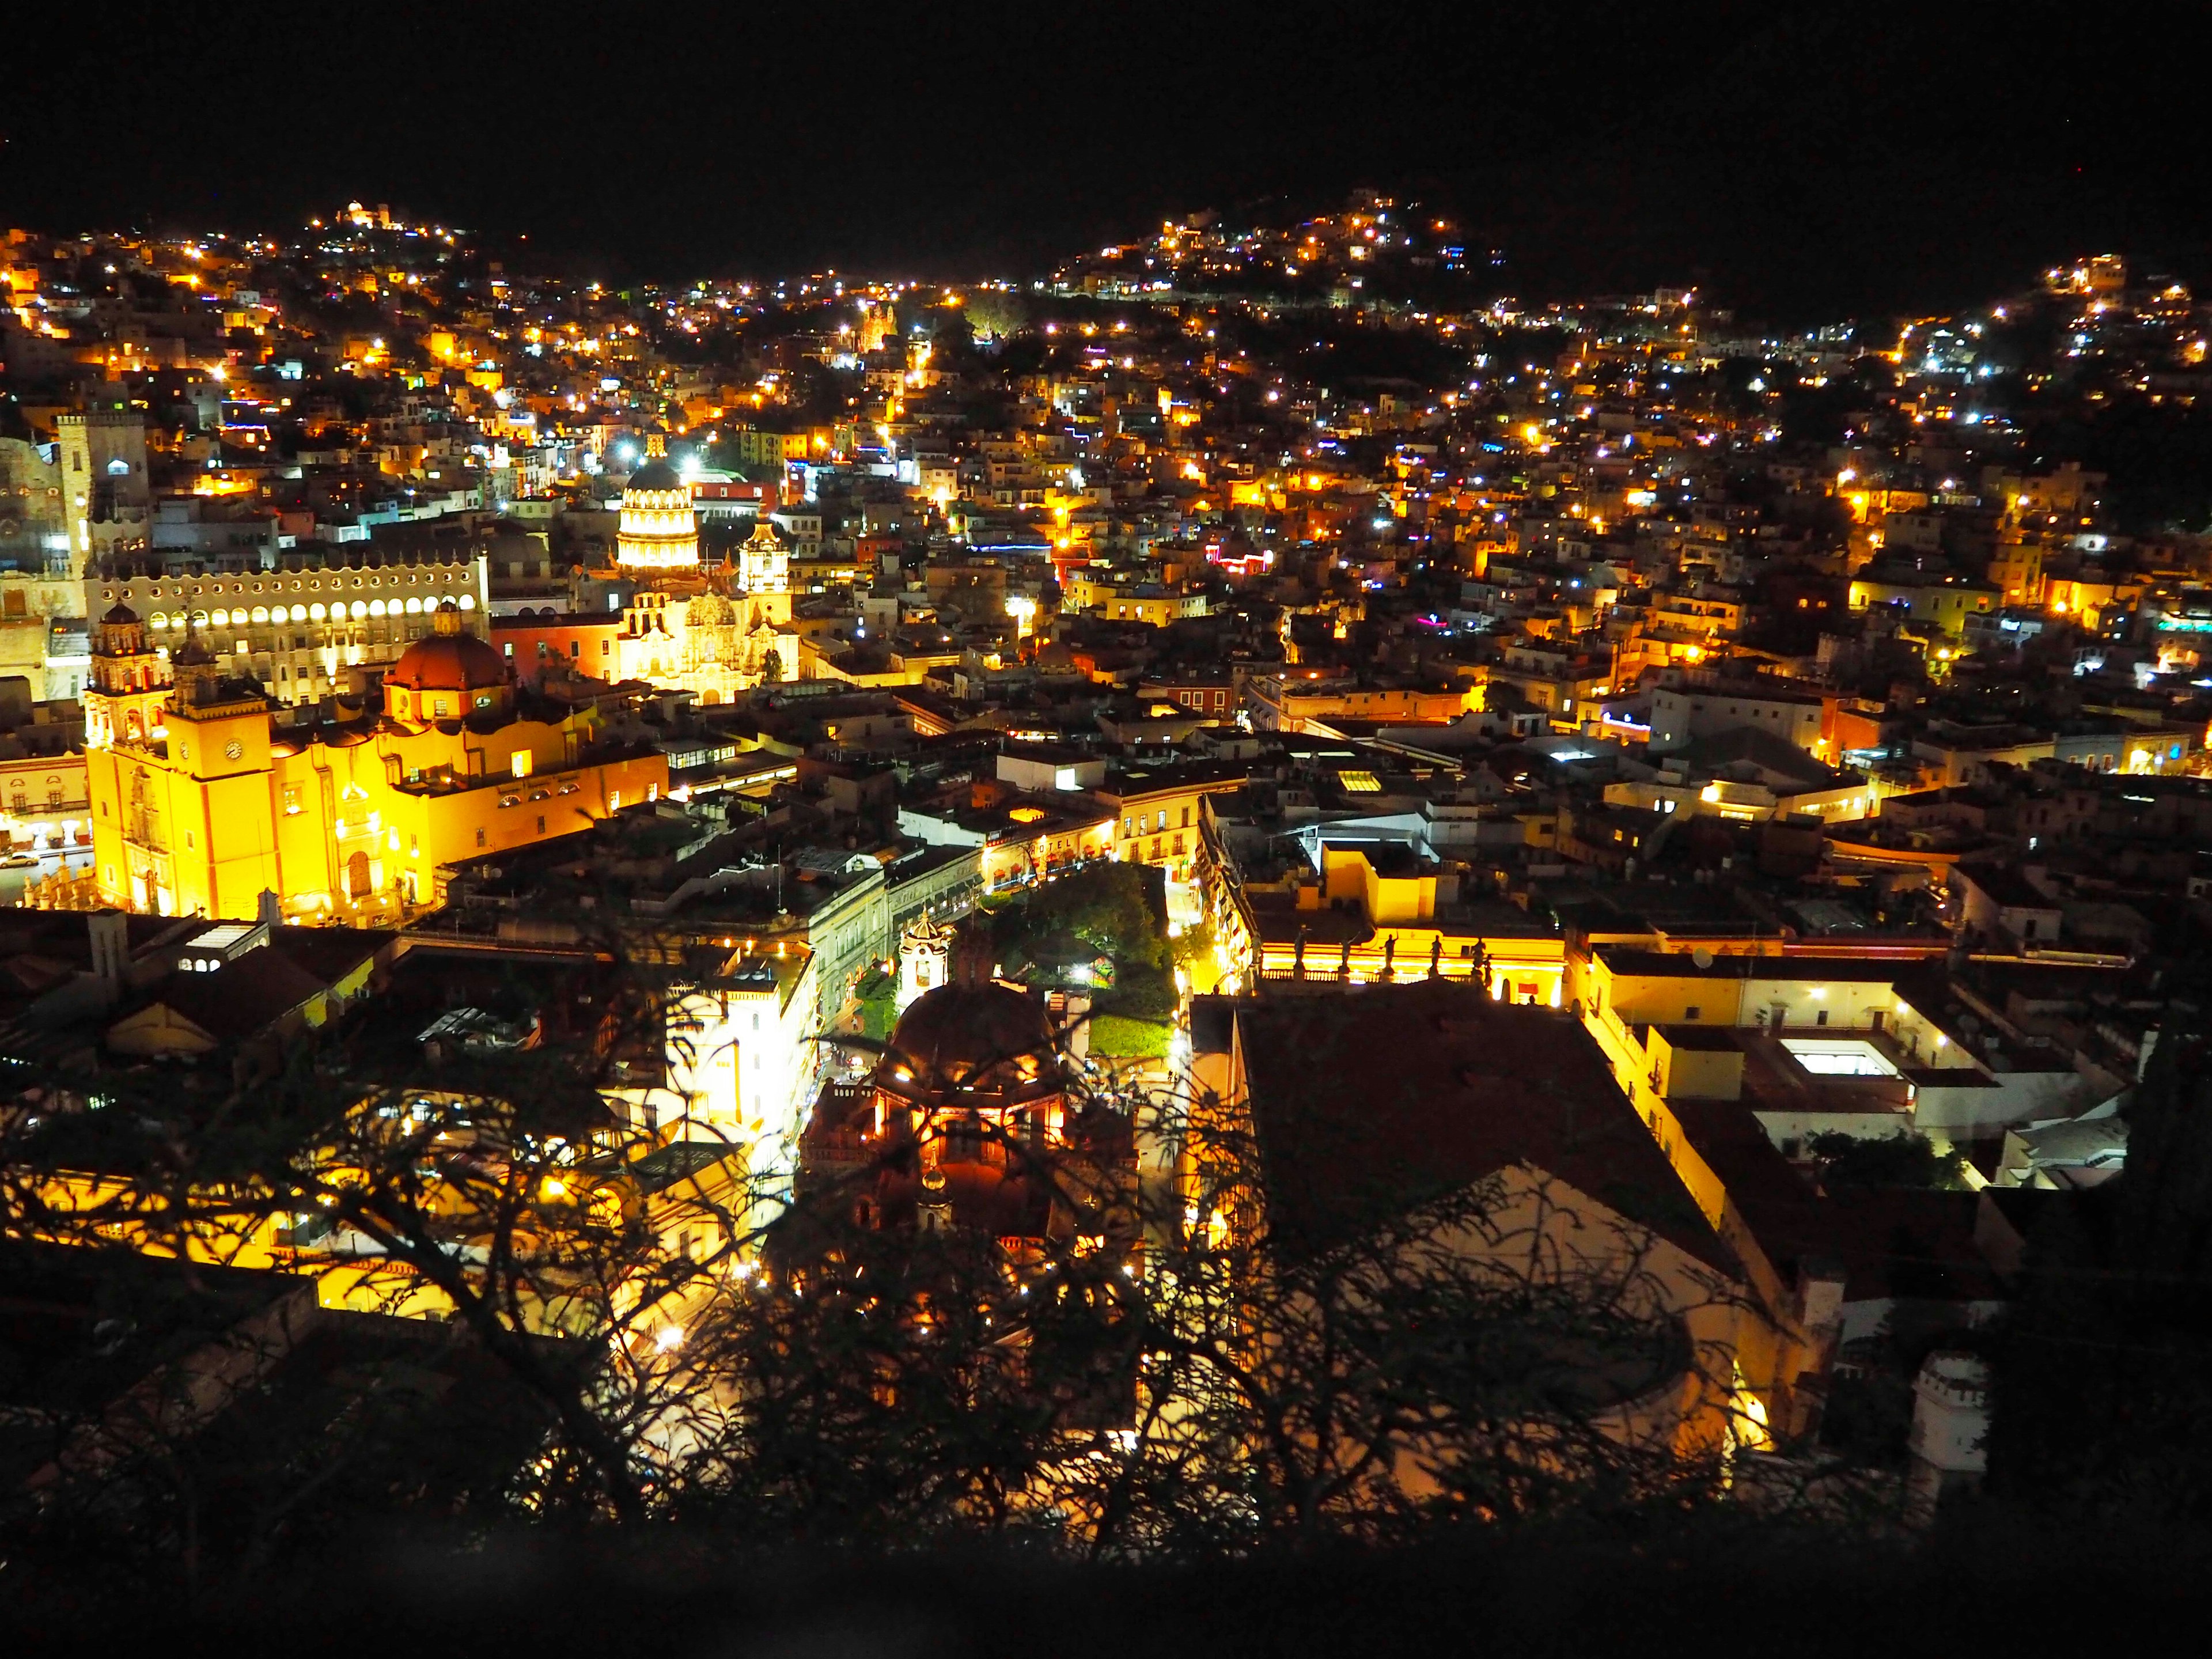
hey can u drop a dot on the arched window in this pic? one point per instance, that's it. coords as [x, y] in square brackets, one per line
[357, 875]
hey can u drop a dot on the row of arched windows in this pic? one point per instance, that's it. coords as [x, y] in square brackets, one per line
[259, 614]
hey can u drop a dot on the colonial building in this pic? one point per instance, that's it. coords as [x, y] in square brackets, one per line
[201, 800]
[305, 626]
[687, 627]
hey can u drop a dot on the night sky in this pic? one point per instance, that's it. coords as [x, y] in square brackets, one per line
[1869, 159]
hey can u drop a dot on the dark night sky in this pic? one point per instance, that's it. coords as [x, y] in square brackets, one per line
[1867, 158]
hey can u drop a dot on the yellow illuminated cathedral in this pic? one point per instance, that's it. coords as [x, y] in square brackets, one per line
[201, 800]
[686, 627]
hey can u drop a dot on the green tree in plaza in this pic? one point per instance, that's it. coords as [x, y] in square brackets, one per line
[1904, 1159]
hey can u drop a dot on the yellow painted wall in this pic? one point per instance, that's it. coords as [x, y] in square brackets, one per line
[295, 822]
[1665, 1000]
[1135, 833]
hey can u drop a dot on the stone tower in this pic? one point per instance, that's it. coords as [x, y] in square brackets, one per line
[106, 496]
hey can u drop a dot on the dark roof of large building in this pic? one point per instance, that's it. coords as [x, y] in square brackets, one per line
[1378, 1100]
[243, 997]
[2005, 885]
[1743, 745]
[654, 475]
[1909, 1241]
[330, 954]
[1683, 964]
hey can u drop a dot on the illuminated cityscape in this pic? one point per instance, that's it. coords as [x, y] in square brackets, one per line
[1281, 879]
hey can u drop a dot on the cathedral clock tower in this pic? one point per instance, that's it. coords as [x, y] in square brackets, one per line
[222, 847]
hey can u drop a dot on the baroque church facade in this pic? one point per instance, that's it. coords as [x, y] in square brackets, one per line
[711, 632]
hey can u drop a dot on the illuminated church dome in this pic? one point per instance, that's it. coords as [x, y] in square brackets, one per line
[659, 530]
[969, 1103]
[445, 675]
[971, 1043]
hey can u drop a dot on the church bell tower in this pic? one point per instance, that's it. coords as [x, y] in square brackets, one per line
[128, 686]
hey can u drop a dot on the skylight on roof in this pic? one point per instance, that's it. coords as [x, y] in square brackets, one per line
[1838, 1057]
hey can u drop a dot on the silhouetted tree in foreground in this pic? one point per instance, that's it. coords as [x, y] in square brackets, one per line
[625, 1329]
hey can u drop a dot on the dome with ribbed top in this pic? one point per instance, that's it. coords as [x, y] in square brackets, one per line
[654, 475]
[450, 659]
[987, 1044]
[660, 527]
[971, 1042]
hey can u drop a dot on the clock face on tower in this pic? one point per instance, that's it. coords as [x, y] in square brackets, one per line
[234, 750]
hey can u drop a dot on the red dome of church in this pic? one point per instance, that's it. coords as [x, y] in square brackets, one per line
[450, 659]
[971, 1044]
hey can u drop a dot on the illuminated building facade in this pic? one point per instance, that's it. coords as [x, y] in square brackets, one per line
[1372, 914]
[1156, 812]
[303, 628]
[200, 801]
[764, 570]
[684, 629]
